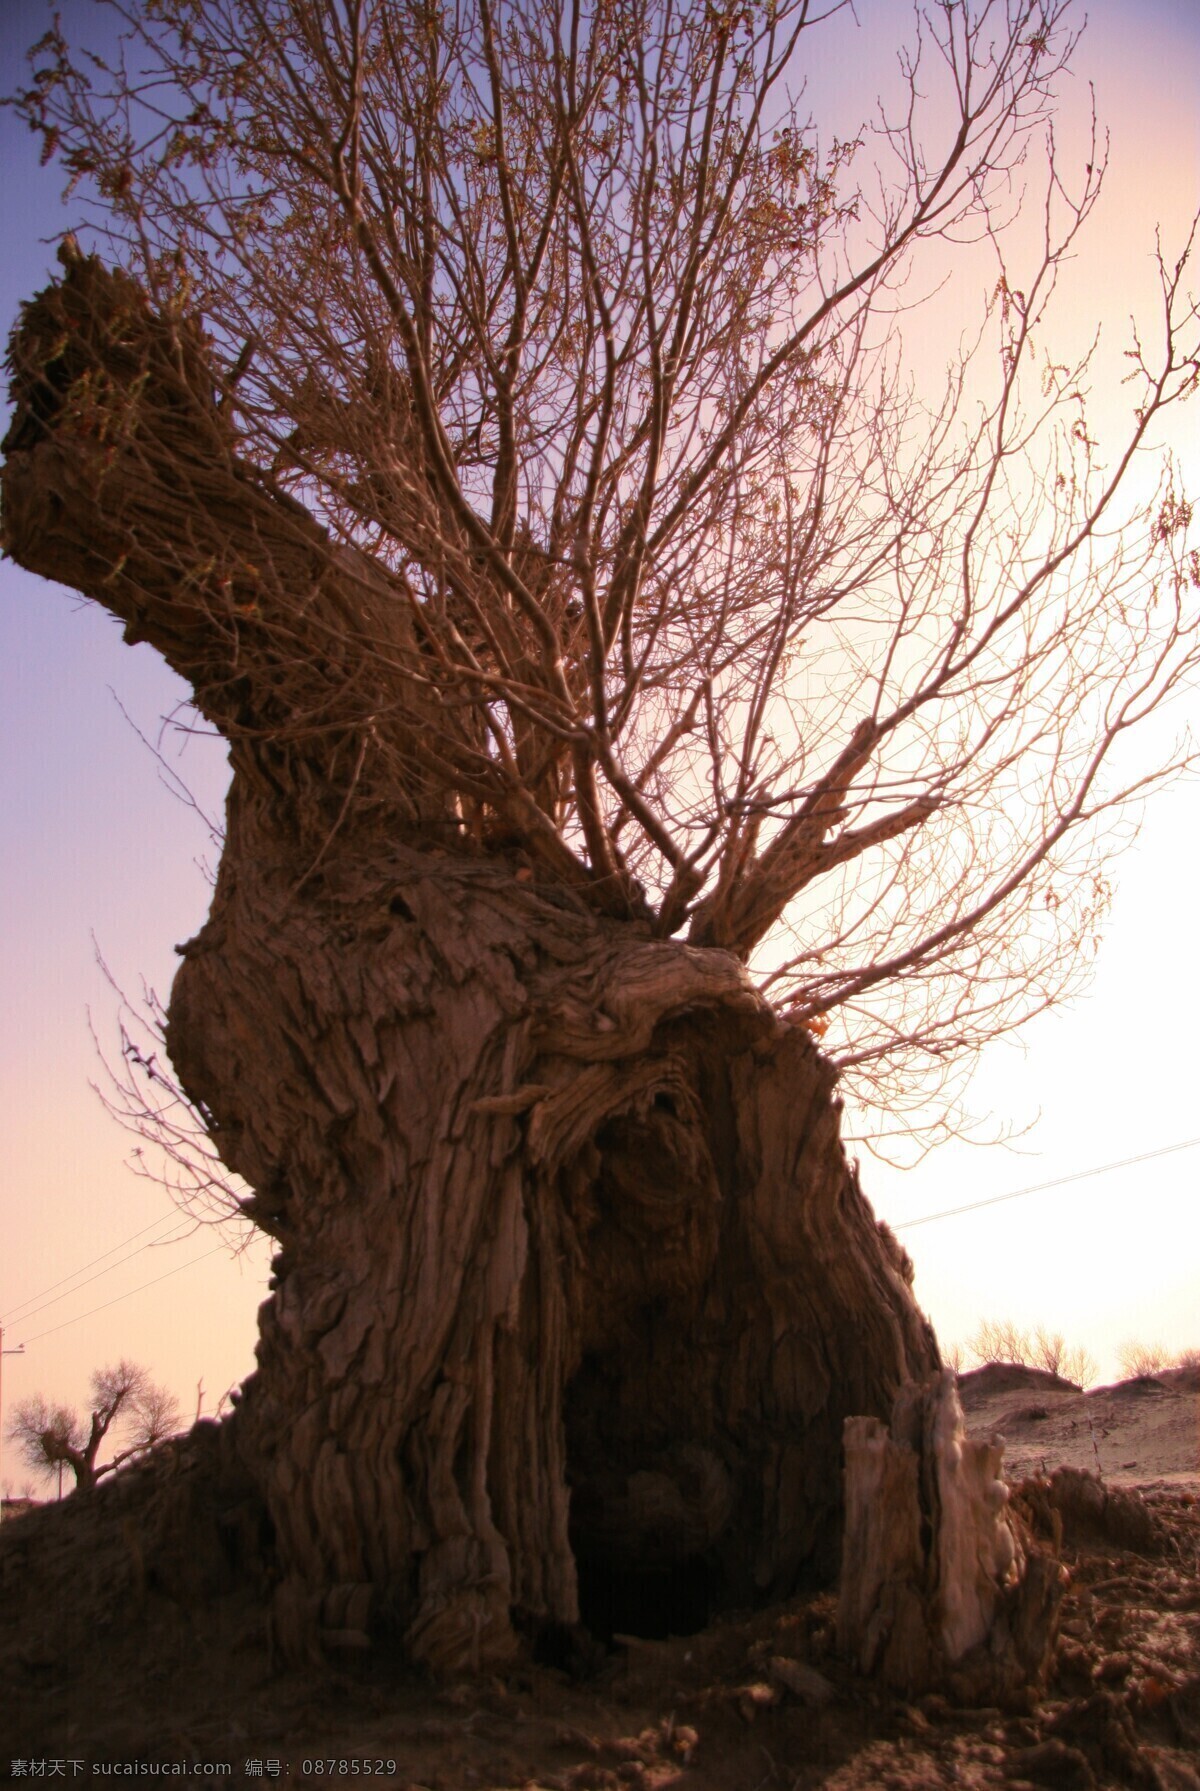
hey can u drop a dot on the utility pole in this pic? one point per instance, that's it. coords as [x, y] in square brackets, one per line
[17, 1350]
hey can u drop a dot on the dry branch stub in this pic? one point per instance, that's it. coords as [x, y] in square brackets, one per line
[941, 1584]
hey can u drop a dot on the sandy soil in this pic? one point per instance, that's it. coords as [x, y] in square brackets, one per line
[752, 1703]
[1139, 1433]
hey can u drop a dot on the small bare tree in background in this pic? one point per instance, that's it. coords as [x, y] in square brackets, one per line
[123, 1399]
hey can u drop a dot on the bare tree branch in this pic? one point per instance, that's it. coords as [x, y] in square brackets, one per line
[583, 508]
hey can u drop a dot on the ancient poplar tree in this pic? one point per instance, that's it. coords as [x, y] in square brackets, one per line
[494, 410]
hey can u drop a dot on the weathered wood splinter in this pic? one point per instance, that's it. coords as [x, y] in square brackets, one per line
[941, 1583]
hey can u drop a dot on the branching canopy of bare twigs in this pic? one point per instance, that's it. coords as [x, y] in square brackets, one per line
[584, 351]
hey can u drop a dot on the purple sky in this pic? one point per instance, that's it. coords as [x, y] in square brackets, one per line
[93, 844]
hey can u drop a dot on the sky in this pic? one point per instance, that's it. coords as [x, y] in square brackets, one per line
[98, 856]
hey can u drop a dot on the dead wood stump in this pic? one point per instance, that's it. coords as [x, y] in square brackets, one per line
[941, 1584]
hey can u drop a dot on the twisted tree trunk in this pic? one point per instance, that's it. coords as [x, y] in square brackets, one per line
[574, 1280]
[573, 1273]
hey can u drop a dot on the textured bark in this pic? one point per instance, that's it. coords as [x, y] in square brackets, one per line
[574, 1280]
[572, 1266]
[940, 1583]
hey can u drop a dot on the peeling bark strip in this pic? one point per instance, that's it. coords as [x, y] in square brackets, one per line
[574, 1279]
[939, 1581]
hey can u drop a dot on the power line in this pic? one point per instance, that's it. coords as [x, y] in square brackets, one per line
[172, 1219]
[120, 1262]
[1059, 1181]
[125, 1296]
[973, 1206]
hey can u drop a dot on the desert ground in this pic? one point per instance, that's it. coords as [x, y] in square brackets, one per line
[110, 1666]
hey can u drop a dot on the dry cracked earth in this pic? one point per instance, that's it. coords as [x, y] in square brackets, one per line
[107, 1670]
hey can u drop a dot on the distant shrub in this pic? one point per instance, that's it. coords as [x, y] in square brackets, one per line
[1188, 1358]
[1071, 1362]
[1002, 1341]
[996, 1341]
[1138, 1359]
[1080, 1366]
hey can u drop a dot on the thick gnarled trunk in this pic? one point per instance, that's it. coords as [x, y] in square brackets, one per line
[573, 1275]
[575, 1287]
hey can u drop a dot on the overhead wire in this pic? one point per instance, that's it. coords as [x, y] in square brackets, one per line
[153, 1244]
[155, 1225]
[901, 1225]
[178, 1269]
[1059, 1181]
